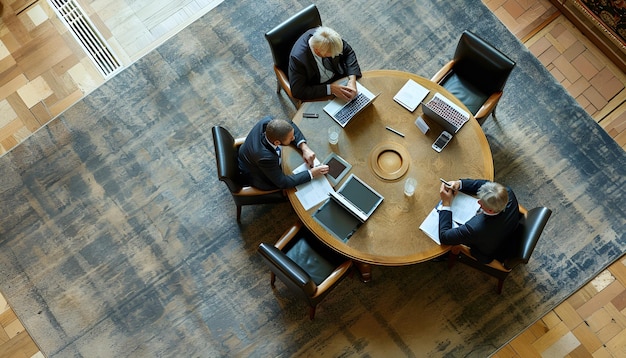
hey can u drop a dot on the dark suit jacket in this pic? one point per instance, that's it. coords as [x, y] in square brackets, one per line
[484, 234]
[258, 161]
[304, 76]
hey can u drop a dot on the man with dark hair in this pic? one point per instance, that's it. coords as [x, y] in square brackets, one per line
[260, 158]
[485, 233]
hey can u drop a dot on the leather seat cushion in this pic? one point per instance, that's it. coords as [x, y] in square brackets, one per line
[311, 261]
[467, 93]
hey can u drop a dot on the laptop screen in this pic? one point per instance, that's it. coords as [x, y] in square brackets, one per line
[361, 195]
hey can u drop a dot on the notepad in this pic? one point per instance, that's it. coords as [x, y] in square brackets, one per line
[463, 207]
[411, 95]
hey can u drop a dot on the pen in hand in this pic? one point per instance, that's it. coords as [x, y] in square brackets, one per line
[447, 184]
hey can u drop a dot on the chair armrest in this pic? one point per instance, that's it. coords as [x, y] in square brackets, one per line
[443, 72]
[283, 80]
[493, 264]
[498, 266]
[289, 234]
[334, 277]
[239, 141]
[457, 249]
[522, 210]
[488, 106]
[252, 191]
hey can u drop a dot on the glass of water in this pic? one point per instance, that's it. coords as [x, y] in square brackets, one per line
[333, 135]
[409, 186]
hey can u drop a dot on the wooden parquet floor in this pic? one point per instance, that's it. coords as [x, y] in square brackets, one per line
[43, 71]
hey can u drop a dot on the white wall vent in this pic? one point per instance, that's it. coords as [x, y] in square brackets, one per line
[87, 36]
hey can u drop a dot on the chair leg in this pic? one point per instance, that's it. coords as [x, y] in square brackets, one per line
[239, 213]
[272, 279]
[311, 312]
[278, 88]
[451, 259]
[500, 284]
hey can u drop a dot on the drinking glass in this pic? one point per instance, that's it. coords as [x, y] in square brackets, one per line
[409, 186]
[333, 135]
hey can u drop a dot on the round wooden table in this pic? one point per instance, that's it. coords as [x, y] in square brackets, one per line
[391, 236]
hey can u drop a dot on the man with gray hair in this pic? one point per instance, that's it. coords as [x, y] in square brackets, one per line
[318, 58]
[486, 232]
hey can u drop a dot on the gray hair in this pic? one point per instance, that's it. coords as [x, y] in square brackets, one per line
[494, 196]
[327, 40]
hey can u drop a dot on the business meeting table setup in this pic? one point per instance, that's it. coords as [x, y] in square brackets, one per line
[379, 149]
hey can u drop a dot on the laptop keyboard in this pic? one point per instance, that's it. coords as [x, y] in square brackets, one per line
[447, 112]
[351, 108]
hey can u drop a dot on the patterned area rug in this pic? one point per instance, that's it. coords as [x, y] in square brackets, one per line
[117, 239]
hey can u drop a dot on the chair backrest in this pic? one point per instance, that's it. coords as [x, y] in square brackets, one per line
[282, 38]
[481, 64]
[288, 271]
[226, 158]
[526, 236]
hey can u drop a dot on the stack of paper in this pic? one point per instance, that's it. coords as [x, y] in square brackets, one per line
[411, 95]
[464, 207]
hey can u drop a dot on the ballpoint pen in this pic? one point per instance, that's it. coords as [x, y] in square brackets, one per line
[394, 131]
[447, 184]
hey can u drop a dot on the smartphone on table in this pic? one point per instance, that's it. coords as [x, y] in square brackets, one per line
[442, 141]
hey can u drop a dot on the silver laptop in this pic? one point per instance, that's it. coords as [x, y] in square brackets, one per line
[342, 112]
[444, 112]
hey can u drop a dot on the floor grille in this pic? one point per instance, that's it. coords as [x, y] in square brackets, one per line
[87, 35]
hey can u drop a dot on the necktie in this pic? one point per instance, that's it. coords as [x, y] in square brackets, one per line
[278, 152]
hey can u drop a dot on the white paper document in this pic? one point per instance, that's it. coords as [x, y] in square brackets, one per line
[463, 207]
[411, 95]
[313, 192]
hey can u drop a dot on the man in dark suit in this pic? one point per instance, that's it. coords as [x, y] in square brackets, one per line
[259, 155]
[486, 232]
[319, 58]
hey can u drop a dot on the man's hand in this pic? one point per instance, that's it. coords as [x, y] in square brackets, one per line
[344, 92]
[447, 194]
[307, 154]
[319, 170]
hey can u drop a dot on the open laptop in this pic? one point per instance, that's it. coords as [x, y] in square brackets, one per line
[348, 208]
[357, 197]
[342, 112]
[444, 112]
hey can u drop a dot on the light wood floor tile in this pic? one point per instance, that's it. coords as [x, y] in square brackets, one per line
[562, 347]
[568, 315]
[551, 337]
[587, 338]
[602, 298]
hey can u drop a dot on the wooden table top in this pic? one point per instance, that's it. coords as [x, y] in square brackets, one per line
[391, 236]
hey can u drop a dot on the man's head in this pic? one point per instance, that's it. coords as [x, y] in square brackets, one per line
[326, 42]
[279, 132]
[492, 197]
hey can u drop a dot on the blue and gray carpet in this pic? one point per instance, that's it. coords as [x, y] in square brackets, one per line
[117, 239]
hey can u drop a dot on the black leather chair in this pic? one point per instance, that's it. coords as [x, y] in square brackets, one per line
[517, 251]
[226, 150]
[282, 38]
[306, 266]
[476, 75]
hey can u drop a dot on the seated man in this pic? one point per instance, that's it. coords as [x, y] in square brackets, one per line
[498, 216]
[259, 155]
[317, 59]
